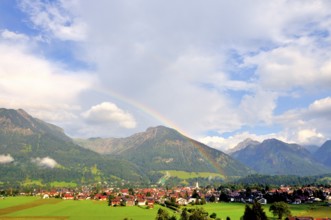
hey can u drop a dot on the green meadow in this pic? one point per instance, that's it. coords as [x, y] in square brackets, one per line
[189, 175]
[36, 208]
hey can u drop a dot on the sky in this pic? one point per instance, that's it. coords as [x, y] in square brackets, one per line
[217, 71]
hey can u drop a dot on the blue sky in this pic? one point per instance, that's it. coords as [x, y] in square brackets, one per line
[218, 71]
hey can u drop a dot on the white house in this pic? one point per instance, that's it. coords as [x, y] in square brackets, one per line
[262, 201]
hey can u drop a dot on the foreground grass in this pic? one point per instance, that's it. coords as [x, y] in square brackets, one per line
[33, 207]
[74, 210]
[14, 201]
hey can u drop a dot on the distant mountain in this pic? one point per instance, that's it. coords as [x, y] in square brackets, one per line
[242, 145]
[274, 157]
[33, 149]
[323, 154]
[162, 148]
[311, 148]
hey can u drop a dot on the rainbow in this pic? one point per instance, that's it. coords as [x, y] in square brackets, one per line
[146, 110]
[166, 122]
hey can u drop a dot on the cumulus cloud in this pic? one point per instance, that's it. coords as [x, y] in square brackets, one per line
[45, 162]
[289, 67]
[107, 112]
[40, 87]
[307, 125]
[6, 158]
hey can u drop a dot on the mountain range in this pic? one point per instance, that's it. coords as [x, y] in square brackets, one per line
[31, 149]
[162, 148]
[34, 150]
[274, 157]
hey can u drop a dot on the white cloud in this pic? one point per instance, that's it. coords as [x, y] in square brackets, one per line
[307, 136]
[107, 112]
[185, 61]
[226, 144]
[54, 18]
[289, 67]
[258, 108]
[321, 107]
[307, 125]
[45, 162]
[6, 158]
[39, 86]
[9, 35]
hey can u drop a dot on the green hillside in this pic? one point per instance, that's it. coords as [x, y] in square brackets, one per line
[161, 148]
[42, 151]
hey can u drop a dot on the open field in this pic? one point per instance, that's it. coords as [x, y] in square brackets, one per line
[36, 208]
[22, 208]
[189, 175]
[236, 210]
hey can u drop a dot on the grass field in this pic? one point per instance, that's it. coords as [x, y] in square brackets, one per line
[36, 208]
[189, 175]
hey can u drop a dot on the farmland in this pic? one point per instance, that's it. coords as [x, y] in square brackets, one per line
[34, 207]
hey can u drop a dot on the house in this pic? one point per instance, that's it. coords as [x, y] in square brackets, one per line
[129, 202]
[116, 202]
[182, 201]
[297, 202]
[141, 202]
[46, 196]
[68, 196]
[81, 196]
[103, 198]
[125, 192]
[262, 201]
[150, 203]
[192, 200]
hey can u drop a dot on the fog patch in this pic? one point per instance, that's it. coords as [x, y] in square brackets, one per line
[45, 162]
[6, 158]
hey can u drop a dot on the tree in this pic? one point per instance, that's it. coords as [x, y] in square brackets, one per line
[185, 215]
[248, 214]
[162, 215]
[255, 212]
[203, 201]
[224, 197]
[195, 194]
[280, 209]
[131, 191]
[198, 214]
[213, 215]
[194, 214]
[110, 199]
[212, 198]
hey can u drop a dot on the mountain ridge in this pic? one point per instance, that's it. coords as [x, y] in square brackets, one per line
[166, 149]
[275, 157]
[31, 145]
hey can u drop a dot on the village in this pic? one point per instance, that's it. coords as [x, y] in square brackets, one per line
[182, 196]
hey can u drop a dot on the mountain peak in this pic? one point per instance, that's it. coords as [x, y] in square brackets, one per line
[245, 143]
[20, 122]
[272, 140]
